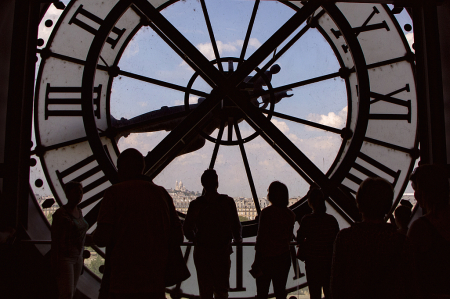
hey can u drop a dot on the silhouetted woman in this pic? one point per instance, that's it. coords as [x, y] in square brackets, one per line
[276, 223]
[371, 260]
[316, 236]
[68, 236]
[430, 234]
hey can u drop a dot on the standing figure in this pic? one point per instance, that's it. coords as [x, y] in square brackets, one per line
[68, 236]
[272, 256]
[430, 234]
[403, 216]
[371, 259]
[211, 223]
[316, 237]
[136, 221]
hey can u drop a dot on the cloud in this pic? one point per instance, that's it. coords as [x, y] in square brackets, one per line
[231, 47]
[281, 125]
[332, 119]
[192, 100]
[410, 39]
[143, 142]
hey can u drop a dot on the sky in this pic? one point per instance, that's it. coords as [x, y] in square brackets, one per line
[324, 102]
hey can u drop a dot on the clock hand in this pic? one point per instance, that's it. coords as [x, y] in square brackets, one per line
[165, 151]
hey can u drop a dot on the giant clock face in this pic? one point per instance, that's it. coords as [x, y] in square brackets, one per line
[293, 66]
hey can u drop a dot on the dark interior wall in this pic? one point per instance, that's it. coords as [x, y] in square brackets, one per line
[6, 29]
[444, 39]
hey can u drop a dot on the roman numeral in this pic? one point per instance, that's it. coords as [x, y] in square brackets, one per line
[388, 98]
[239, 270]
[81, 11]
[82, 177]
[363, 28]
[68, 96]
[391, 175]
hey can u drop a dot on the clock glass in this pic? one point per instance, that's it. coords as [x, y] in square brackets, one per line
[258, 90]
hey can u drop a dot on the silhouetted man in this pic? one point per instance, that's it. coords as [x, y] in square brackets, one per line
[135, 222]
[211, 222]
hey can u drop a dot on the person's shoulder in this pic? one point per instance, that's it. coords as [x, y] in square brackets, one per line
[290, 213]
[227, 199]
[197, 201]
[420, 226]
[348, 231]
[61, 214]
[61, 211]
[307, 217]
[331, 218]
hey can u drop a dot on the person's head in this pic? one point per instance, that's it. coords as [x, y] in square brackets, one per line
[402, 216]
[374, 198]
[278, 194]
[431, 187]
[210, 180]
[74, 193]
[316, 201]
[130, 163]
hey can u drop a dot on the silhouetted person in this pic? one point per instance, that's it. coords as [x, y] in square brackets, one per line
[316, 236]
[68, 236]
[275, 232]
[371, 259]
[403, 216]
[430, 234]
[211, 223]
[135, 222]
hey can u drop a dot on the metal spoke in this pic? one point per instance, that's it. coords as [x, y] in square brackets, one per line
[274, 41]
[277, 139]
[304, 122]
[286, 158]
[187, 51]
[249, 31]
[230, 129]
[247, 167]
[291, 42]
[211, 35]
[216, 147]
[163, 83]
[301, 83]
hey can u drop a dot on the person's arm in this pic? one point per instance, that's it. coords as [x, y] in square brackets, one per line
[190, 221]
[262, 230]
[301, 231]
[103, 235]
[235, 224]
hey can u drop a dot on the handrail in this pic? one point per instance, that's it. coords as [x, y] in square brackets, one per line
[182, 244]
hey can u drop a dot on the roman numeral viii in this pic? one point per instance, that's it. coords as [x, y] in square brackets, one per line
[69, 97]
[83, 171]
[93, 18]
[389, 99]
[389, 174]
